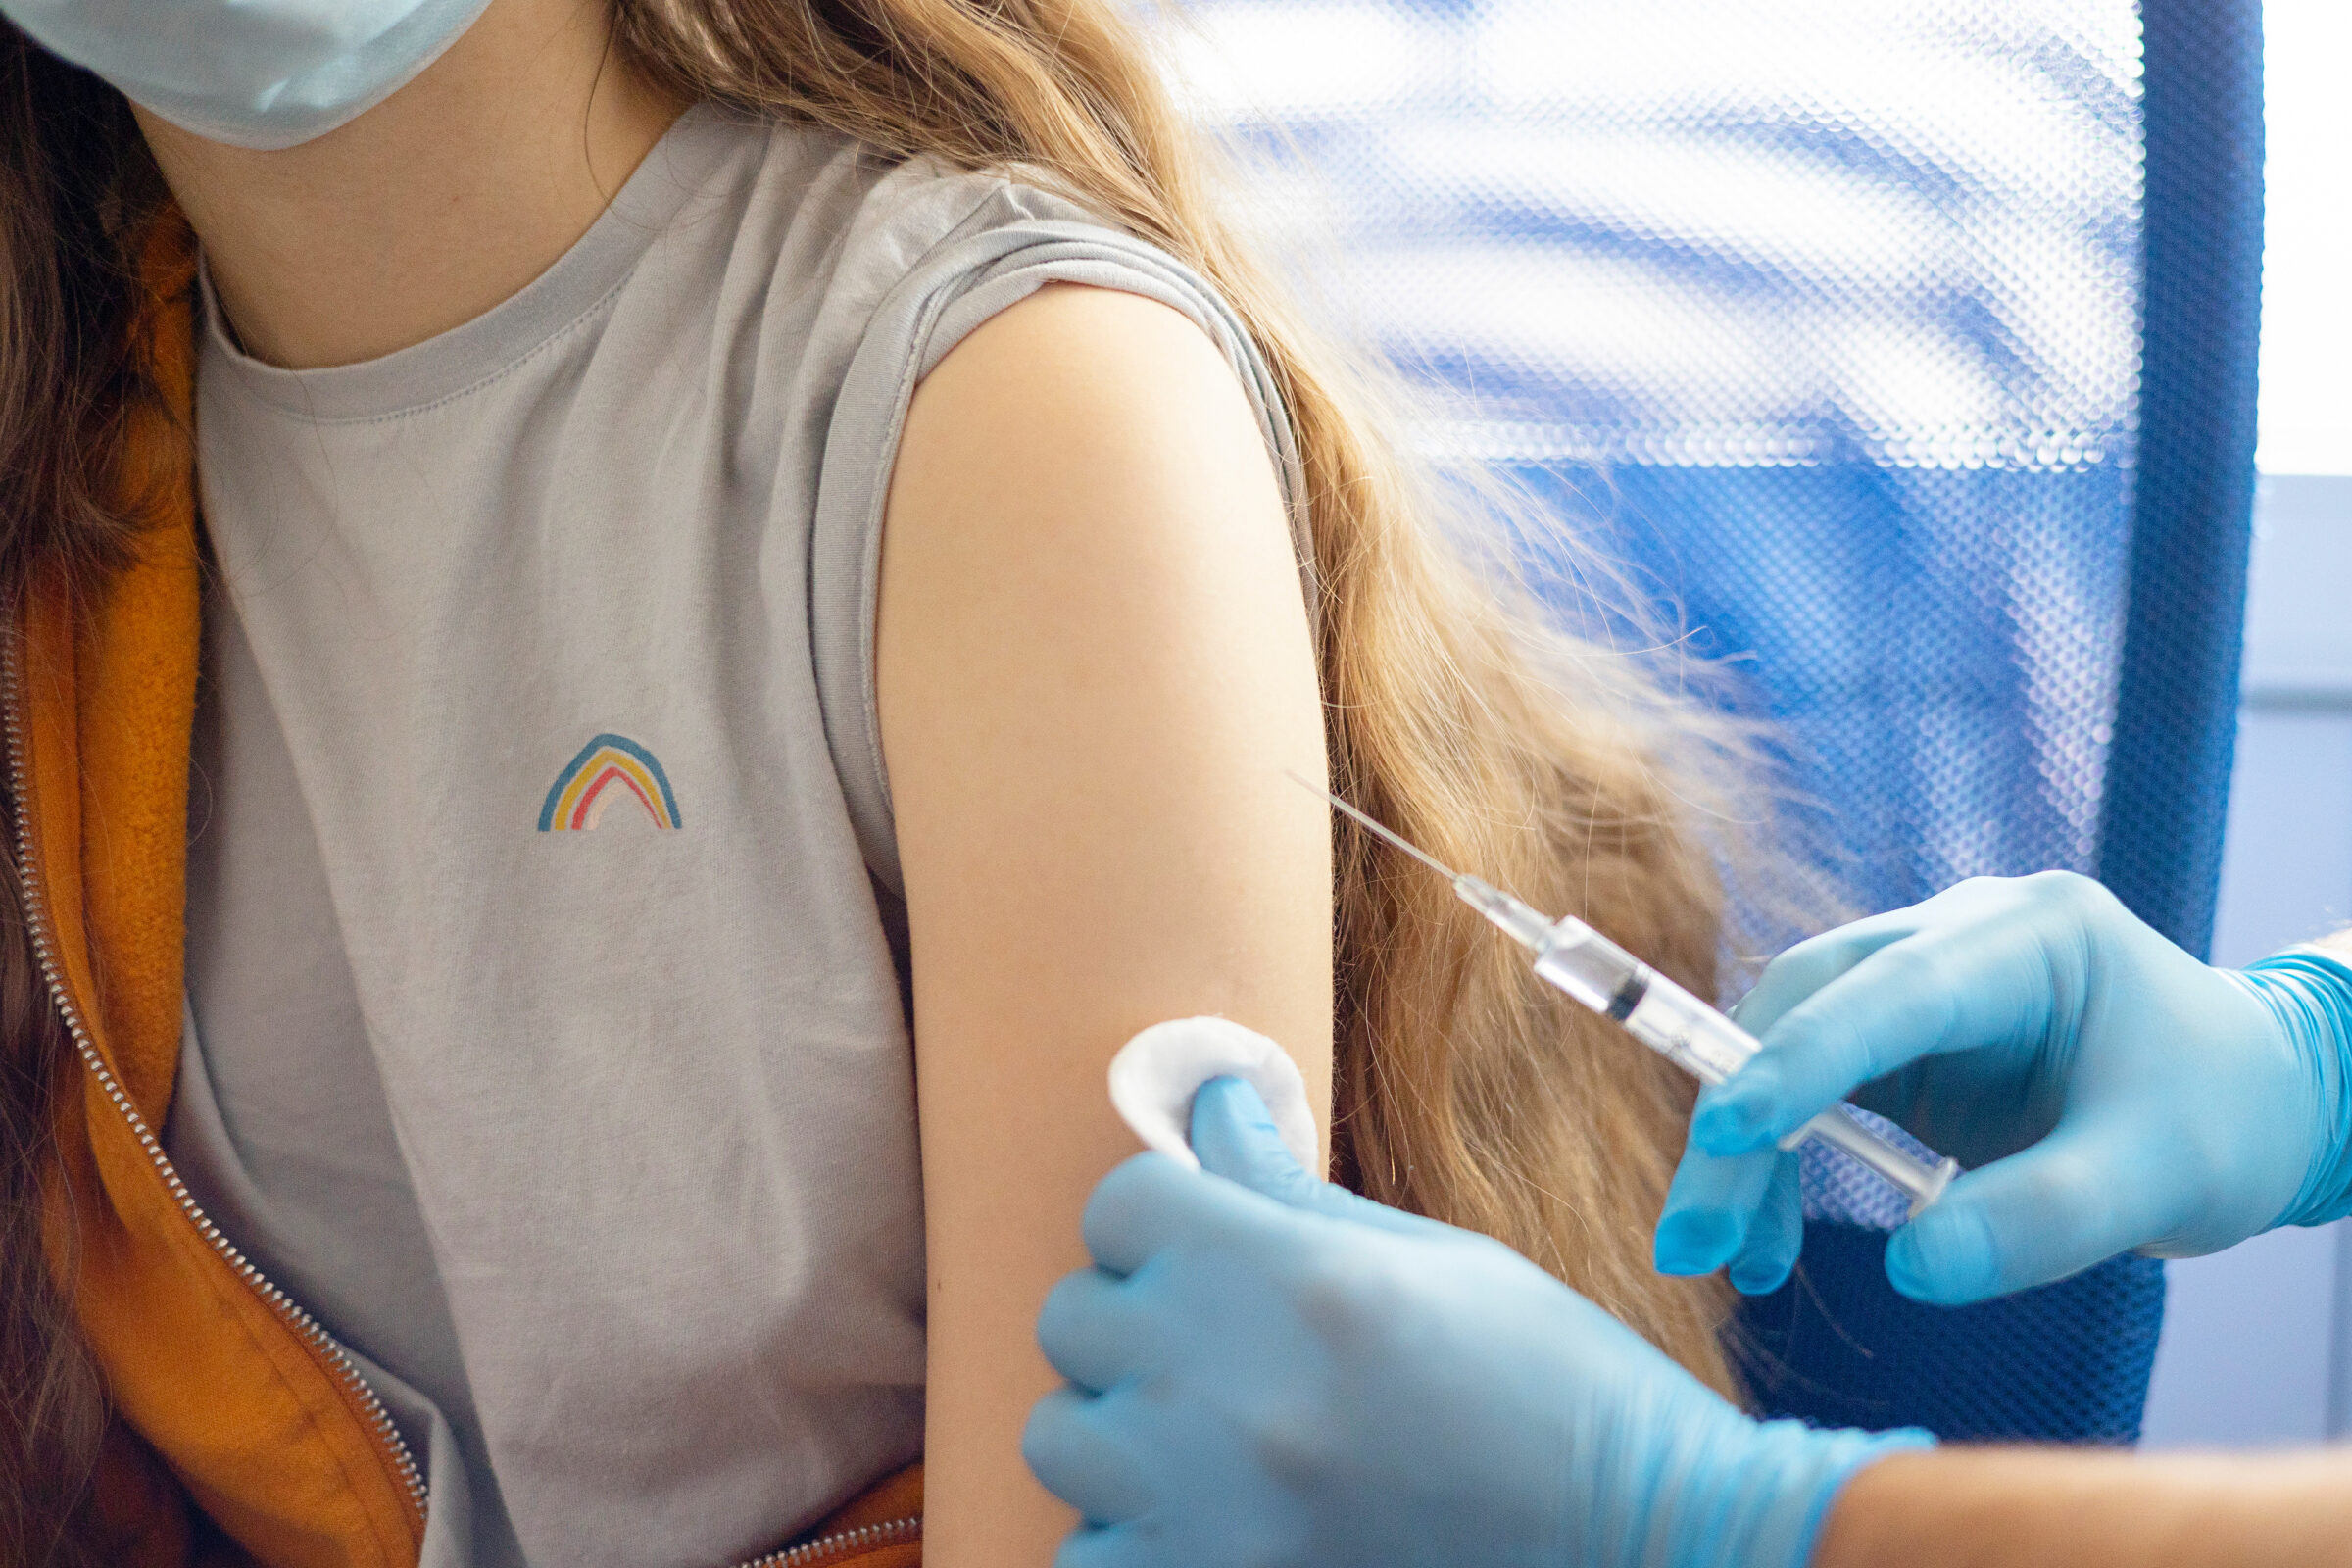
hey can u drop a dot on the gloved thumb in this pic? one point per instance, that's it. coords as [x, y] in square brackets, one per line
[2074, 1199]
[1235, 1136]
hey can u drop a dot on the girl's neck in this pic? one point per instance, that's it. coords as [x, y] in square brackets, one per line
[431, 207]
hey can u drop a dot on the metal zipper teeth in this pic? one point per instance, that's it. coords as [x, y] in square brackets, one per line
[305, 1326]
[865, 1537]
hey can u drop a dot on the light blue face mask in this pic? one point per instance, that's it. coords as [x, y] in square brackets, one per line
[264, 73]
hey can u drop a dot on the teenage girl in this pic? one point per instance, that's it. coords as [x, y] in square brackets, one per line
[642, 631]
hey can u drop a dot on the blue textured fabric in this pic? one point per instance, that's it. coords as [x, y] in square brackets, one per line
[2067, 1362]
[1904, 356]
[1824, 321]
[2176, 714]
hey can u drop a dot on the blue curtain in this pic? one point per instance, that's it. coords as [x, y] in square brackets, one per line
[1904, 356]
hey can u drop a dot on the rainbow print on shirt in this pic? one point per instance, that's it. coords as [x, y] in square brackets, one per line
[608, 768]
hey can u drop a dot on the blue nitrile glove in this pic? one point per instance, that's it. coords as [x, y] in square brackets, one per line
[2109, 1092]
[1267, 1370]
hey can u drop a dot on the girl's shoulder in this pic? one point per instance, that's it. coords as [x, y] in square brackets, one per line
[866, 269]
[873, 268]
[833, 209]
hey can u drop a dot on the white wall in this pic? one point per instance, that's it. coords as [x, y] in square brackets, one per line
[2256, 1340]
[2307, 238]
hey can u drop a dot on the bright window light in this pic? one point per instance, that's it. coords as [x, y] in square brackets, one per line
[2307, 253]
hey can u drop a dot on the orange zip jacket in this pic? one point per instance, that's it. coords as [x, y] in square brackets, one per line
[228, 1396]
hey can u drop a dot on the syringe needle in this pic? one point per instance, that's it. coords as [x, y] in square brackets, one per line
[1426, 858]
[1521, 923]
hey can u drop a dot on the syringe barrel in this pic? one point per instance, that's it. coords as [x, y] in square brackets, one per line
[1661, 1014]
[1689, 1032]
[1706, 1044]
[1923, 1181]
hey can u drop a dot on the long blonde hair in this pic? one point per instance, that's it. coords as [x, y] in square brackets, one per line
[1465, 1090]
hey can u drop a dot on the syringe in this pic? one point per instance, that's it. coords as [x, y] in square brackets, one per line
[1601, 975]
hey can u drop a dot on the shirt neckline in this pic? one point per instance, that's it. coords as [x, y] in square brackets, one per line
[440, 368]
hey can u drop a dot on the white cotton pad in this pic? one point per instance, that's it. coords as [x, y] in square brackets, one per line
[1155, 1075]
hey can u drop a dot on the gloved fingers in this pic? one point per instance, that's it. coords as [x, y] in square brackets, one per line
[1149, 1202]
[1072, 1447]
[1775, 1236]
[2077, 1197]
[1925, 995]
[1813, 963]
[1959, 913]
[1092, 1330]
[1235, 1136]
[1122, 1546]
[1710, 1207]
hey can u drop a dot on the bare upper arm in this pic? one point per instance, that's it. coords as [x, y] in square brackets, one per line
[1094, 662]
[1962, 1507]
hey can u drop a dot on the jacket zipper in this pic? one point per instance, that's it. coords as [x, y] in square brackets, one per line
[810, 1554]
[36, 922]
[828, 1548]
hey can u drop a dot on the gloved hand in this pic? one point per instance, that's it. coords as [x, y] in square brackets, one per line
[2109, 1092]
[1268, 1370]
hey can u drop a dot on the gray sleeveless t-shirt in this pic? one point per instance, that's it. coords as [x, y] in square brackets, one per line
[546, 1033]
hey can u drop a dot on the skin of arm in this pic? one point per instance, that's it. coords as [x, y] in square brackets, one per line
[2051, 1508]
[1094, 662]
